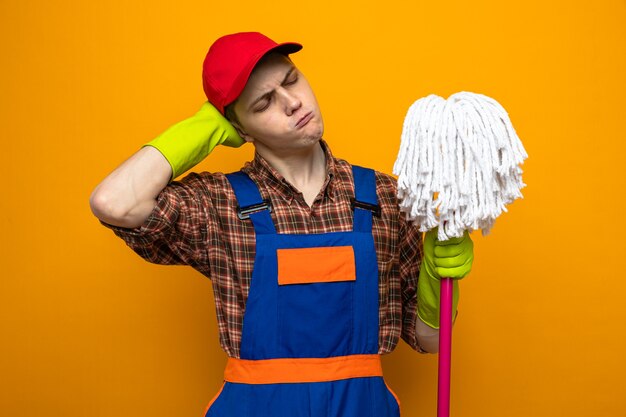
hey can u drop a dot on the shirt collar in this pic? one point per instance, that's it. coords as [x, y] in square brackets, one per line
[268, 175]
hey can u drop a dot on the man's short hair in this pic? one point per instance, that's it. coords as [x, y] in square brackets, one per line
[229, 112]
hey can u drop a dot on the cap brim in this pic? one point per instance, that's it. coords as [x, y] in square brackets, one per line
[286, 47]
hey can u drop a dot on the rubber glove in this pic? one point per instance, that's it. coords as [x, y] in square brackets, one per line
[451, 258]
[188, 142]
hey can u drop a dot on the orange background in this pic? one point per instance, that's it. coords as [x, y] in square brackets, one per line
[90, 329]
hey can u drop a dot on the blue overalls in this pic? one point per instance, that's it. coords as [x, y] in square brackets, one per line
[309, 343]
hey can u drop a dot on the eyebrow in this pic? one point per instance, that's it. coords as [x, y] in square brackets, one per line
[269, 93]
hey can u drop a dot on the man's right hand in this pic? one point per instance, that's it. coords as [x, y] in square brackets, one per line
[189, 141]
[127, 196]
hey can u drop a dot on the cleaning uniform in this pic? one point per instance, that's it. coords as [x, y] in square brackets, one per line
[195, 223]
[309, 344]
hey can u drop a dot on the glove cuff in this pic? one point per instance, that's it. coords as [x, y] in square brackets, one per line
[188, 142]
[428, 299]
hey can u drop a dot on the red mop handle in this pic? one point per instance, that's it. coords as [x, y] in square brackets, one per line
[445, 347]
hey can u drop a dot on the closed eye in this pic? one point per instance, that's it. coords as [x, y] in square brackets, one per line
[295, 80]
[260, 109]
[267, 96]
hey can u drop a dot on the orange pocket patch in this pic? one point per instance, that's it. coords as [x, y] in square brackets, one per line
[310, 265]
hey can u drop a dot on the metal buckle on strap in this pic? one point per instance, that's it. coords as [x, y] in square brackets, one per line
[244, 212]
[375, 209]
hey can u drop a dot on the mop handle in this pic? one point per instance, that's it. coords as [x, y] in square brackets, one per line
[445, 347]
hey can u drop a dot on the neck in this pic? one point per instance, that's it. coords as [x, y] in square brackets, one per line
[303, 168]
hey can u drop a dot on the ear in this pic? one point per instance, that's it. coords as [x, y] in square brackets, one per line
[242, 132]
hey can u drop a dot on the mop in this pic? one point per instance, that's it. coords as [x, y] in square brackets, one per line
[458, 167]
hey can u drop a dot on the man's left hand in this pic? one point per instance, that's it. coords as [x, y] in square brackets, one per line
[452, 258]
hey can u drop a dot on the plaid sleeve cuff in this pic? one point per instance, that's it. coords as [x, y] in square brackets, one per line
[155, 239]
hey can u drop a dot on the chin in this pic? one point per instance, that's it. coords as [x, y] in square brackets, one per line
[314, 138]
[311, 141]
[319, 132]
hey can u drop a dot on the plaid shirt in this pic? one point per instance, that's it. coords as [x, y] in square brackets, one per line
[195, 223]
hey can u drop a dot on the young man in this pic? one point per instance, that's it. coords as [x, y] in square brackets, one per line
[315, 271]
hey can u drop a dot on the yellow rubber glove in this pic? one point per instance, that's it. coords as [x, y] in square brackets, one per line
[188, 142]
[451, 258]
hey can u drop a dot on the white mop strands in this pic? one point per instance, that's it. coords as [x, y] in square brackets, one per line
[465, 150]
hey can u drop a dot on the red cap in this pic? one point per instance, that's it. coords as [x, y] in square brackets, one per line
[231, 59]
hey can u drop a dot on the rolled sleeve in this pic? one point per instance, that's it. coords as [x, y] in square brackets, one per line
[175, 232]
[411, 251]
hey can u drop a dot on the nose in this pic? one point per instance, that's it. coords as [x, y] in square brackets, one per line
[291, 101]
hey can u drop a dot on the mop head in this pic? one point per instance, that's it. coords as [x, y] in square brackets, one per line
[458, 164]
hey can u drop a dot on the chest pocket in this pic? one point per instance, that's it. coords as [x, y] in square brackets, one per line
[316, 265]
[315, 300]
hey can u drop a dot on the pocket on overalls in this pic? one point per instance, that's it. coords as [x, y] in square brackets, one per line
[220, 406]
[395, 400]
[383, 401]
[316, 265]
[315, 298]
[206, 410]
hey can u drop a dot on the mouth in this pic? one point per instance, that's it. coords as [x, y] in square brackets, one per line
[304, 120]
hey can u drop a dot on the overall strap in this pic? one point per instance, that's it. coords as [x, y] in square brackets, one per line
[250, 204]
[365, 203]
